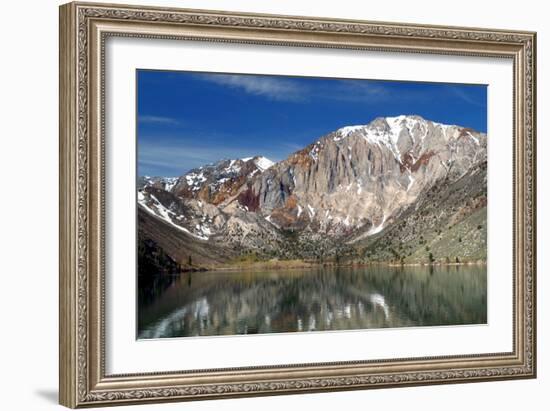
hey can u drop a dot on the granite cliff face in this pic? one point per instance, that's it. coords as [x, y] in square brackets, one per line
[332, 197]
[363, 175]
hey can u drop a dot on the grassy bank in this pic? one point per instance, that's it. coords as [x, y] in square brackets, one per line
[275, 264]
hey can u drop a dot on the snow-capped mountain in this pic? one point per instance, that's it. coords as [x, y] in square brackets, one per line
[351, 184]
[363, 175]
[165, 183]
[216, 182]
[192, 202]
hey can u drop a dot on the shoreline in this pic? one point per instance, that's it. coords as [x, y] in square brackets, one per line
[294, 264]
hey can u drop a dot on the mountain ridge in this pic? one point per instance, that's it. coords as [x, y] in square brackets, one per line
[355, 181]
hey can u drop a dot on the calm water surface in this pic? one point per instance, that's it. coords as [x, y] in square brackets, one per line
[273, 301]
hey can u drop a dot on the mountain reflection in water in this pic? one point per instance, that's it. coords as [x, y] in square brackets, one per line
[341, 298]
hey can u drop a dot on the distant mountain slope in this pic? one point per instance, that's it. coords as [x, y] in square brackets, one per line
[215, 183]
[180, 245]
[377, 192]
[448, 223]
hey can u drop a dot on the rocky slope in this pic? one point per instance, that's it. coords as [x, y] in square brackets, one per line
[446, 224]
[360, 192]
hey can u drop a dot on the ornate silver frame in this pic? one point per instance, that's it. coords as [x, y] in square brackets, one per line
[83, 30]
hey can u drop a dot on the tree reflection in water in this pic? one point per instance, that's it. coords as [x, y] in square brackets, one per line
[223, 303]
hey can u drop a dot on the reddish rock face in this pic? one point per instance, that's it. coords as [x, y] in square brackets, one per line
[227, 190]
[287, 216]
[218, 182]
[301, 158]
[465, 132]
[291, 202]
[423, 160]
[407, 161]
[249, 200]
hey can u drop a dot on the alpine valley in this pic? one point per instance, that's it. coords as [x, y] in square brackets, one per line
[399, 190]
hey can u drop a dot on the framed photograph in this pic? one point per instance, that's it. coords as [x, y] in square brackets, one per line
[259, 204]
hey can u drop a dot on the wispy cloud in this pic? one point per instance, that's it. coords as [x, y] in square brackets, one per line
[147, 119]
[464, 96]
[270, 87]
[174, 158]
[169, 156]
[295, 90]
[353, 91]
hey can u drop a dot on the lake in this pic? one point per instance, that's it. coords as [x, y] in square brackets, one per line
[320, 299]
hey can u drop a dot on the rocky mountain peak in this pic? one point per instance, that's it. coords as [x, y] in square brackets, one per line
[355, 181]
[214, 183]
[363, 175]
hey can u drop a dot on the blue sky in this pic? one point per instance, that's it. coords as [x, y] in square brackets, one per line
[187, 119]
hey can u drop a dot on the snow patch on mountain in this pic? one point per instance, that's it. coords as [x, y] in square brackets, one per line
[411, 181]
[233, 167]
[160, 211]
[167, 183]
[378, 228]
[314, 152]
[263, 163]
[195, 180]
[386, 131]
[170, 183]
[476, 140]
[346, 131]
